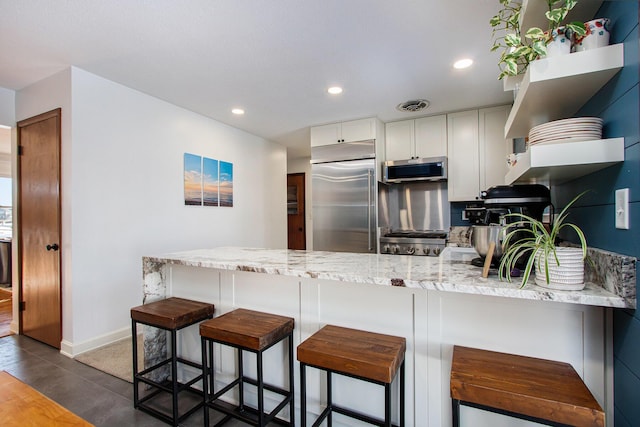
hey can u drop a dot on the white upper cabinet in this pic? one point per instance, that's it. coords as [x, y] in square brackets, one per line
[416, 138]
[335, 133]
[399, 140]
[431, 136]
[477, 151]
[464, 158]
[494, 147]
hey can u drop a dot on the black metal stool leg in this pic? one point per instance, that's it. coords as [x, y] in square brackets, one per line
[455, 413]
[387, 405]
[402, 394]
[174, 375]
[292, 406]
[205, 380]
[303, 395]
[260, 391]
[241, 383]
[329, 400]
[134, 342]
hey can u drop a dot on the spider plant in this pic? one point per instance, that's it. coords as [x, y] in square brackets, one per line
[537, 238]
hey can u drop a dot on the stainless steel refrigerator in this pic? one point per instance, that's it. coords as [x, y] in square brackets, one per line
[344, 197]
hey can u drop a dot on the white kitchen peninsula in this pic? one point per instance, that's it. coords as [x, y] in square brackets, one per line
[433, 302]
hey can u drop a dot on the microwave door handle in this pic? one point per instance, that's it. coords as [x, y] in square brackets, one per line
[369, 190]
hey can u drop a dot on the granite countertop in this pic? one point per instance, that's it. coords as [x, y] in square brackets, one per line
[450, 272]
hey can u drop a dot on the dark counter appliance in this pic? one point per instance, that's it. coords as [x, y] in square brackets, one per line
[500, 201]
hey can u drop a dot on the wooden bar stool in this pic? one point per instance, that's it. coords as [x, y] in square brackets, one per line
[543, 391]
[367, 356]
[255, 332]
[171, 314]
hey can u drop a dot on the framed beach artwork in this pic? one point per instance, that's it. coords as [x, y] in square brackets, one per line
[210, 180]
[207, 182]
[192, 180]
[226, 183]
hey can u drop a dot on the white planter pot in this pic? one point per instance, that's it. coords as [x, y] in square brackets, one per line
[568, 275]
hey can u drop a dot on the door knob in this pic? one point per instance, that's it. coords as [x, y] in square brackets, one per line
[53, 247]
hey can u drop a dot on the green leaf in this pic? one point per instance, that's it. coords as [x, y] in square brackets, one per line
[539, 47]
[534, 33]
[578, 28]
[512, 40]
[511, 68]
[495, 21]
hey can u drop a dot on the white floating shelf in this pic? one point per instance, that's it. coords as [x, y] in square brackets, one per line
[561, 162]
[555, 88]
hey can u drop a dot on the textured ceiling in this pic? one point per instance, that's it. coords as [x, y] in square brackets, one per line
[273, 58]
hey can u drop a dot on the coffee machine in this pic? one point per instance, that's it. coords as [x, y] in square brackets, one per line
[499, 201]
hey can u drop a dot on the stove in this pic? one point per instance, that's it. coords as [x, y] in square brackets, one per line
[413, 242]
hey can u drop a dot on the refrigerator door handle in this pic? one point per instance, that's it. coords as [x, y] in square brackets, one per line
[369, 186]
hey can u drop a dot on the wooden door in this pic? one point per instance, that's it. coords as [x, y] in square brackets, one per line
[39, 227]
[296, 234]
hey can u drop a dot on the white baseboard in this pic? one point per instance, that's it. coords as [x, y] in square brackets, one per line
[70, 349]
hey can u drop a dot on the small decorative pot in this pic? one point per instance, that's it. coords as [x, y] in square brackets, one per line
[597, 35]
[560, 43]
[566, 274]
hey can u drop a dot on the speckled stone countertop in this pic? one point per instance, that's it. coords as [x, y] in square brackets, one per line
[450, 272]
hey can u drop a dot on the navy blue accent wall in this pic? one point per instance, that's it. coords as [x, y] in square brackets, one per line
[618, 105]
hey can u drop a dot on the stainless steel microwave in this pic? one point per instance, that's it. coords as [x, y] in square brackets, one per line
[424, 169]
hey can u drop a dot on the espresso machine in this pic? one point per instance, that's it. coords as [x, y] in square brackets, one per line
[499, 201]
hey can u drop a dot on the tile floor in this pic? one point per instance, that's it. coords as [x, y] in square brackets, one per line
[99, 398]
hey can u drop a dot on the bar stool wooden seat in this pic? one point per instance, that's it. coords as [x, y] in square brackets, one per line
[363, 355]
[255, 332]
[171, 314]
[538, 390]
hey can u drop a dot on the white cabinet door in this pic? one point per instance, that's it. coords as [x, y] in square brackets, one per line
[334, 133]
[431, 136]
[358, 130]
[399, 140]
[326, 135]
[464, 162]
[494, 147]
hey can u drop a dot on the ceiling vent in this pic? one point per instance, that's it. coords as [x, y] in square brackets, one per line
[413, 106]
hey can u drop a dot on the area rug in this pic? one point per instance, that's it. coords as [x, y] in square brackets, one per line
[114, 358]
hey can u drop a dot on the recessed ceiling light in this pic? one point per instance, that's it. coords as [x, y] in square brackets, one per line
[463, 63]
[334, 90]
[238, 111]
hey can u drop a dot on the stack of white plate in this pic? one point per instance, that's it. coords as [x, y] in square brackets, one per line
[566, 130]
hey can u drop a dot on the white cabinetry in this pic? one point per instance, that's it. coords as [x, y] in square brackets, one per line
[418, 138]
[477, 151]
[334, 133]
[464, 157]
[494, 147]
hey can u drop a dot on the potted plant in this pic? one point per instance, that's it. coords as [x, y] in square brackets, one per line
[556, 267]
[521, 46]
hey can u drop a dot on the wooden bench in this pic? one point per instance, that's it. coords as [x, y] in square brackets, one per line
[539, 390]
[21, 405]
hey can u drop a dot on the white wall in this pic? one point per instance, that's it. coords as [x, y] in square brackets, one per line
[123, 195]
[7, 107]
